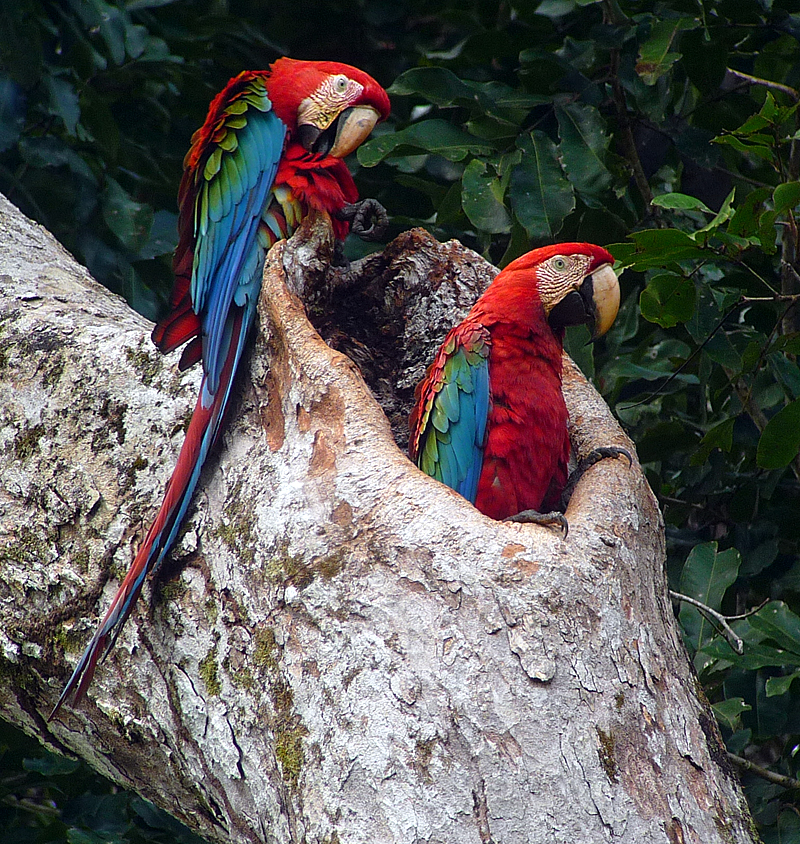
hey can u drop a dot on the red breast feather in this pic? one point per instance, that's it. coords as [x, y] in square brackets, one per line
[527, 446]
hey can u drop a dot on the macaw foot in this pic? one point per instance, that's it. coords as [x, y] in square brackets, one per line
[368, 219]
[594, 456]
[534, 517]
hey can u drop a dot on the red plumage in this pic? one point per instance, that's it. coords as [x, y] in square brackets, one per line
[526, 447]
[247, 182]
[318, 182]
[324, 184]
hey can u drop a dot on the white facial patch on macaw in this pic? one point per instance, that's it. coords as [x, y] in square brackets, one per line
[333, 95]
[560, 274]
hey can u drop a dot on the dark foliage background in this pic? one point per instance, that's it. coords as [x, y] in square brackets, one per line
[668, 130]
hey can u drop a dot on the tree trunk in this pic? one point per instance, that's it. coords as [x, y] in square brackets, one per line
[344, 650]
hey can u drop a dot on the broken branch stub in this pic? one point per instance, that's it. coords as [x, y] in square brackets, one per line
[350, 651]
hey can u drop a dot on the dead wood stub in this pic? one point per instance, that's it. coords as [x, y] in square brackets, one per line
[390, 312]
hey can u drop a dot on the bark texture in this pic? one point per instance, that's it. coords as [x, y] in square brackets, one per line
[344, 650]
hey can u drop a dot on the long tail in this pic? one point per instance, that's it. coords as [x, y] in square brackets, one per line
[200, 436]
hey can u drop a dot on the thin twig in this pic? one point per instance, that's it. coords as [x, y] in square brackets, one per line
[764, 773]
[778, 297]
[751, 611]
[626, 138]
[764, 83]
[688, 360]
[726, 630]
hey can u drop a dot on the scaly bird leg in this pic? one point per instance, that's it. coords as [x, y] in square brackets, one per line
[368, 219]
[594, 456]
[533, 517]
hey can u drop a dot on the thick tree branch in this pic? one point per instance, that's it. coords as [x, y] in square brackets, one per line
[344, 649]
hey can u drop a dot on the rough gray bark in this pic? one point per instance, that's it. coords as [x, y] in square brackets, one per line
[345, 651]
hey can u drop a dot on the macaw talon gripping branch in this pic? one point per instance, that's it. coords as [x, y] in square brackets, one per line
[367, 217]
[594, 456]
[533, 517]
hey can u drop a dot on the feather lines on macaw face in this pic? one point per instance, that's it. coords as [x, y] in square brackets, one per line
[575, 284]
[574, 294]
[342, 108]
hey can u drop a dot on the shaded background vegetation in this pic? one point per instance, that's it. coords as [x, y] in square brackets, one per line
[668, 130]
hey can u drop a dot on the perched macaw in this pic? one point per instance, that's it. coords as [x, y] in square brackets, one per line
[490, 419]
[271, 149]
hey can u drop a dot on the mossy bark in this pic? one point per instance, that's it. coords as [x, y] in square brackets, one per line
[341, 649]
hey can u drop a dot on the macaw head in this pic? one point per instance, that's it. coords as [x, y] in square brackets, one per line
[330, 108]
[576, 285]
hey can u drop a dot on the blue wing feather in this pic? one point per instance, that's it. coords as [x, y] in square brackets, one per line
[454, 427]
[228, 253]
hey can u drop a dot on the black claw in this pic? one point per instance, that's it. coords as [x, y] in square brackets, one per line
[368, 219]
[598, 454]
[594, 456]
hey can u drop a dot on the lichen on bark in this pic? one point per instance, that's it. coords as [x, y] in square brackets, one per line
[388, 664]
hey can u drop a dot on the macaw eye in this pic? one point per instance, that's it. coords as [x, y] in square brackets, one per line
[340, 83]
[560, 263]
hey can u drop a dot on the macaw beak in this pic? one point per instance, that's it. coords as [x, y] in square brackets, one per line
[339, 137]
[605, 294]
[355, 125]
[595, 303]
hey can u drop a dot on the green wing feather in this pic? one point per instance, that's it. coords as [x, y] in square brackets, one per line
[452, 409]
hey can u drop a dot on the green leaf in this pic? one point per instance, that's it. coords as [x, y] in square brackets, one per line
[539, 194]
[482, 199]
[754, 124]
[51, 151]
[786, 197]
[668, 299]
[787, 372]
[759, 558]
[706, 576]
[762, 150]
[680, 202]
[436, 84]
[657, 248]
[12, 112]
[434, 136]
[779, 624]
[780, 440]
[755, 655]
[787, 343]
[745, 220]
[163, 236]
[655, 58]
[780, 685]
[64, 102]
[721, 350]
[723, 215]
[51, 765]
[583, 148]
[626, 369]
[720, 436]
[129, 220]
[136, 5]
[578, 345]
[728, 712]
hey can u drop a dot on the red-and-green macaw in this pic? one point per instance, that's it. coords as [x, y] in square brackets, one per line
[270, 150]
[490, 419]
